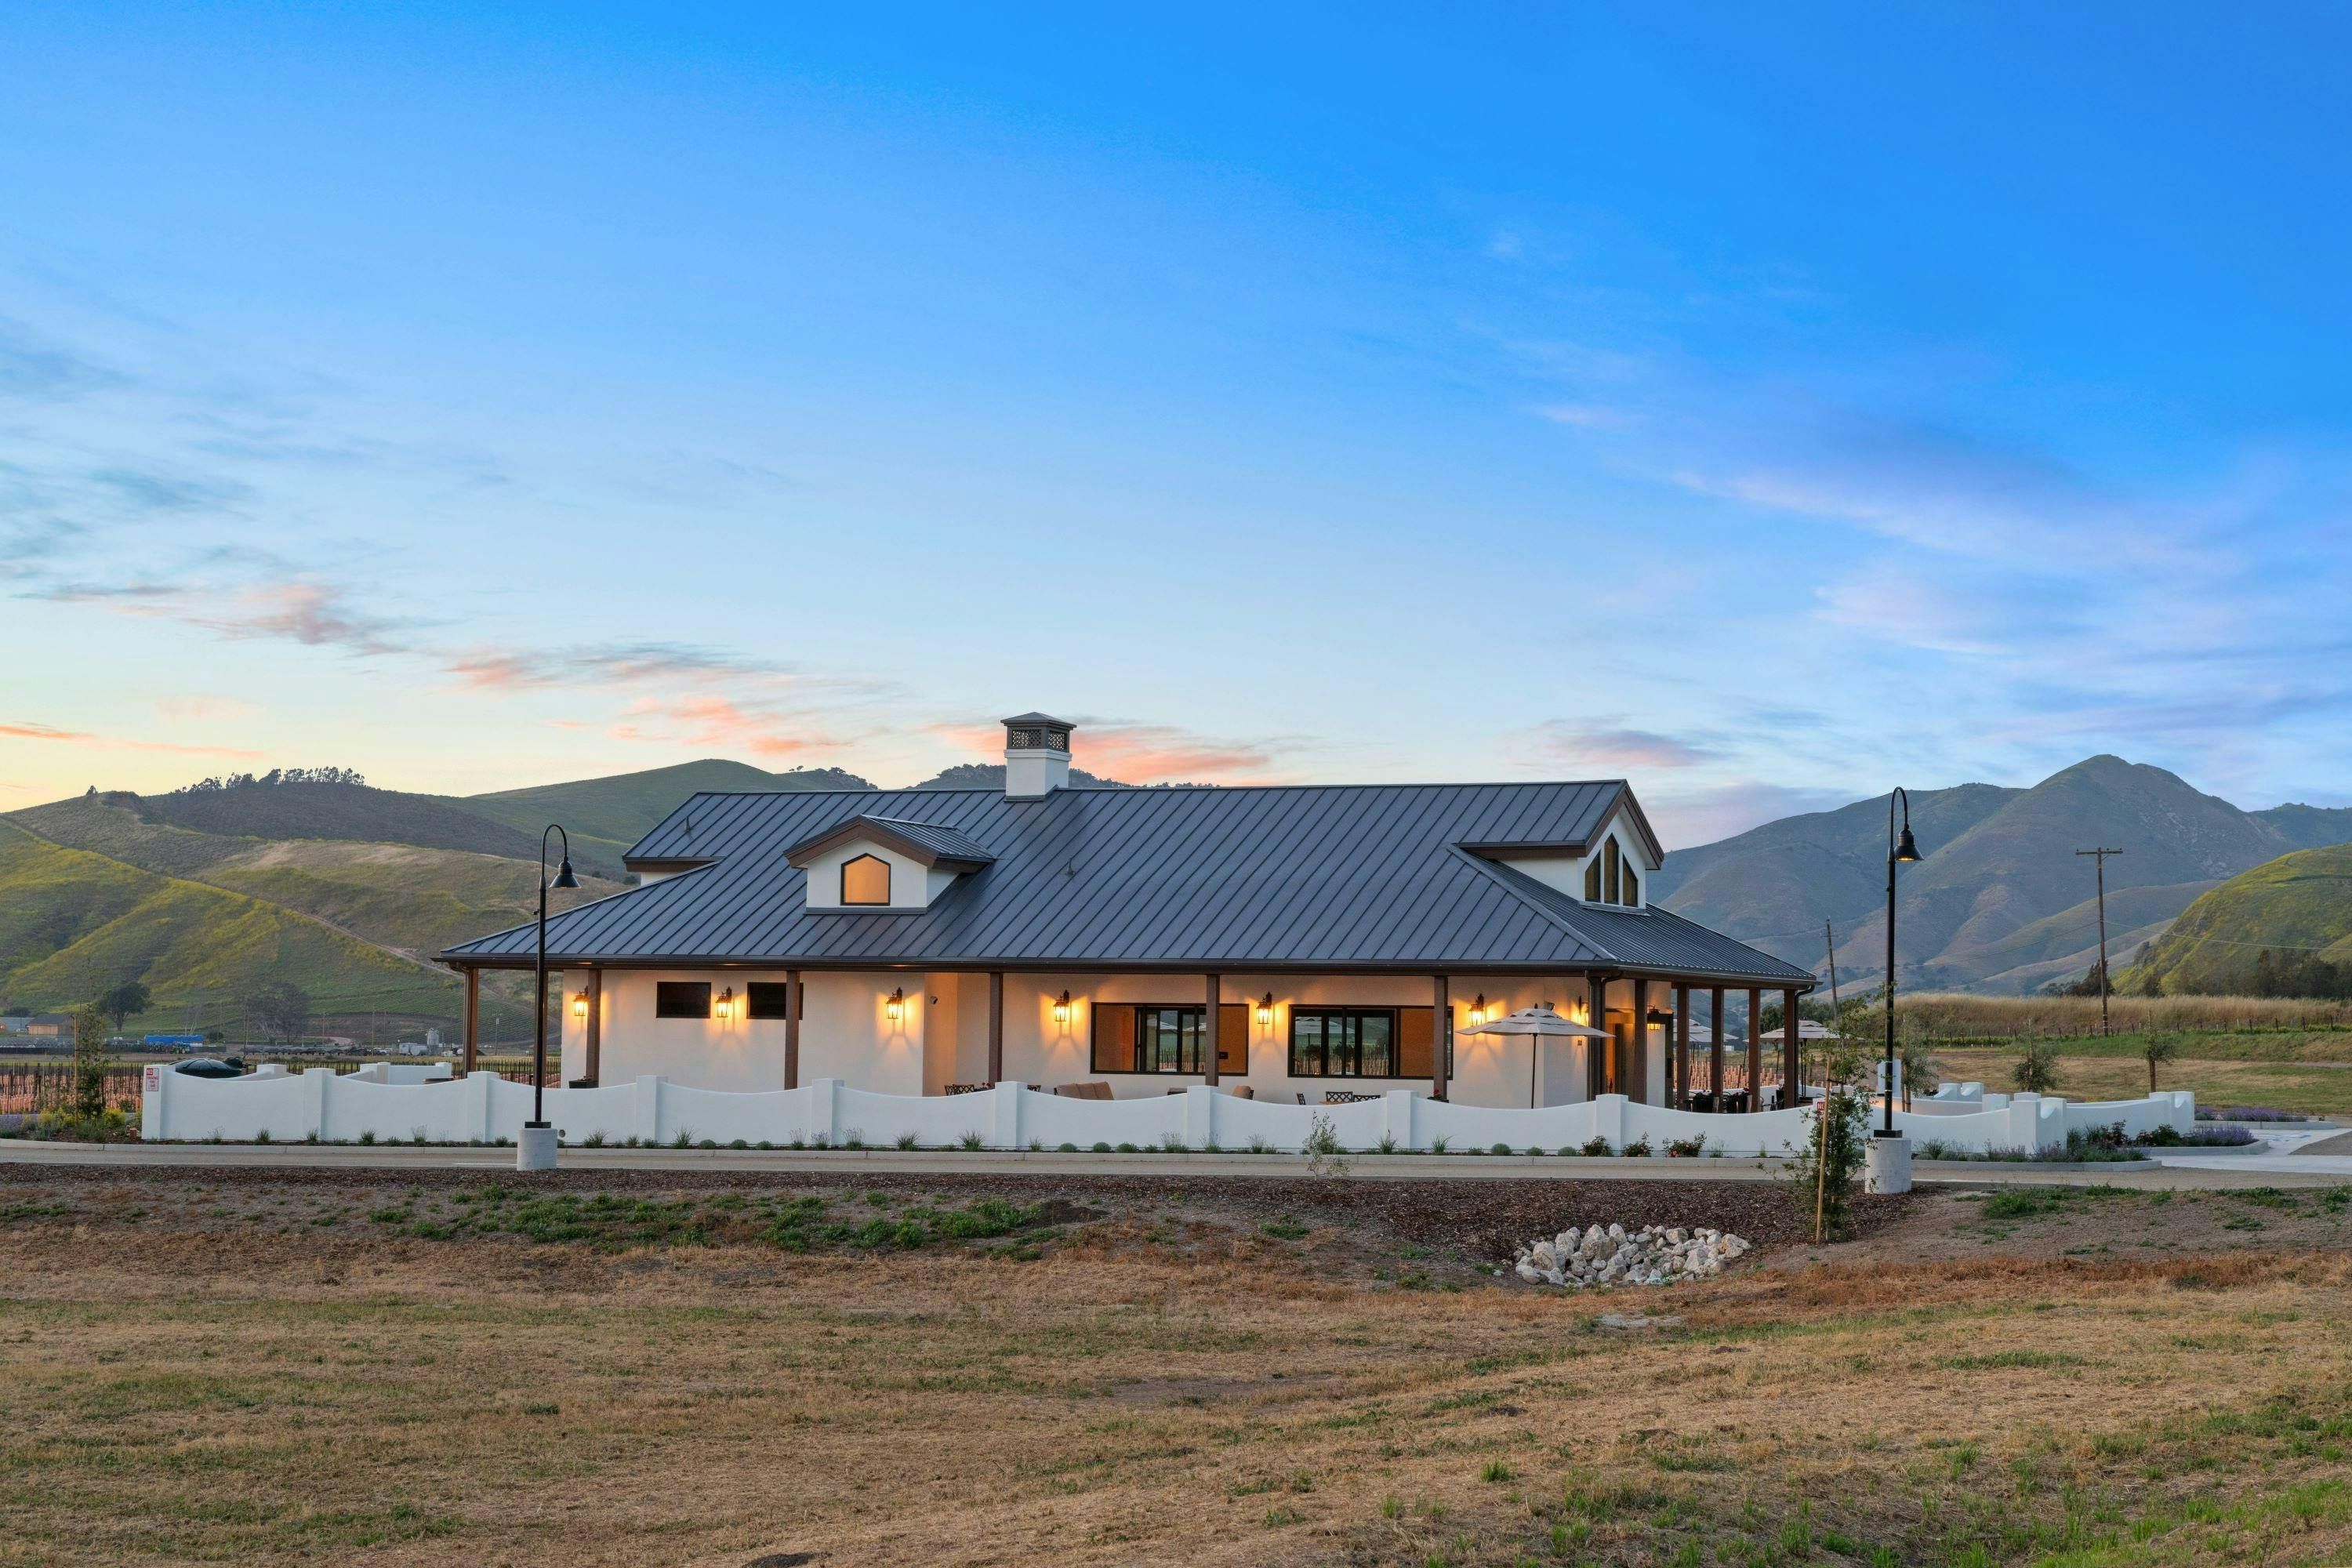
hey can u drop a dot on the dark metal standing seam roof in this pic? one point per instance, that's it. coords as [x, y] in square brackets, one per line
[1334, 876]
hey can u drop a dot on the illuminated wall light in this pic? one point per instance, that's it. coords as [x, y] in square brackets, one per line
[1062, 1008]
[724, 1008]
[1479, 1009]
[580, 1003]
[1265, 1011]
[895, 1008]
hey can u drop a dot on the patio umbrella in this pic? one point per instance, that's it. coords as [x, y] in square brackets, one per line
[1539, 1023]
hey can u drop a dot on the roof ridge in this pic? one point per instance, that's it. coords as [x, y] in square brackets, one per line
[1221, 789]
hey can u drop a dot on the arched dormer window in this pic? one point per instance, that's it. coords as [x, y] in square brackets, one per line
[865, 880]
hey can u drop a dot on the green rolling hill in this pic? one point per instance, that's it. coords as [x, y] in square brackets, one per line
[72, 922]
[606, 816]
[2297, 908]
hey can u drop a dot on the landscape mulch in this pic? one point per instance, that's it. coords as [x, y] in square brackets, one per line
[1481, 1216]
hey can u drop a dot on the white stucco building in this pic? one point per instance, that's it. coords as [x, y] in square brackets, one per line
[1339, 936]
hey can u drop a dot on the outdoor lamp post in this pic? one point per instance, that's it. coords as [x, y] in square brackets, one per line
[535, 1150]
[1888, 1167]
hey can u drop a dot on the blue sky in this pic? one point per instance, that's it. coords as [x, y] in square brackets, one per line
[1770, 404]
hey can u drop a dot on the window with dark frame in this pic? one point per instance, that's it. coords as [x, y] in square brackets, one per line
[1610, 877]
[1168, 1039]
[865, 880]
[1343, 1042]
[1632, 898]
[1592, 879]
[682, 999]
[770, 999]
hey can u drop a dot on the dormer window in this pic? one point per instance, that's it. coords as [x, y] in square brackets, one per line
[865, 880]
[1610, 877]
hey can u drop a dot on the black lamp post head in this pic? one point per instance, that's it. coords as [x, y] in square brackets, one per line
[564, 879]
[1906, 847]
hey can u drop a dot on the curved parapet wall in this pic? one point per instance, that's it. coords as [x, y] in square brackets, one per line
[324, 1106]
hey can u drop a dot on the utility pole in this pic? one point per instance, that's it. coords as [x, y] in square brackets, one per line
[2099, 858]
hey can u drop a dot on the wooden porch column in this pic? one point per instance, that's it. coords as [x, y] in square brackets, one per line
[472, 1018]
[1439, 1034]
[995, 1025]
[1213, 1032]
[1714, 1045]
[1793, 1071]
[792, 1028]
[1682, 1048]
[1637, 1075]
[595, 1053]
[1594, 1056]
[1754, 1050]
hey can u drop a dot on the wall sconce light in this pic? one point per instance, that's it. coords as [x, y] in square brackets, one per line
[1062, 1008]
[724, 1008]
[1479, 1009]
[1265, 1011]
[580, 1003]
[895, 1008]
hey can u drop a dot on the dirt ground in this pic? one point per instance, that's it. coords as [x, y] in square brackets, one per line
[651, 1368]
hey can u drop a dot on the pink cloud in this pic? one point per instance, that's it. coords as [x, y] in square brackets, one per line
[31, 732]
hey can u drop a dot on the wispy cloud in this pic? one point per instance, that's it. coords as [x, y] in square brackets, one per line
[1580, 745]
[33, 368]
[22, 730]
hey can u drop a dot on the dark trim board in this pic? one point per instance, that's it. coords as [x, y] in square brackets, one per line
[1224, 966]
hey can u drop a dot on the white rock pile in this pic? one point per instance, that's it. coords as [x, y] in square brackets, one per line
[1654, 1255]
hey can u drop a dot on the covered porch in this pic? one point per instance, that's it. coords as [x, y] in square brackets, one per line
[1284, 1037]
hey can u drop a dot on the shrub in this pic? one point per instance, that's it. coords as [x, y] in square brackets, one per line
[1101, 1147]
[2036, 1071]
[1499, 1147]
[1824, 1174]
[853, 1138]
[262, 1136]
[1388, 1144]
[1258, 1145]
[1597, 1147]
[1066, 1149]
[738, 1143]
[1439, 1144]
[685, 1139]
[1639, 1149]
[1129, 1149]
[369, 1136]
[594, 1140]
[970, 1140]
[906, 1140]
[1325, 1153]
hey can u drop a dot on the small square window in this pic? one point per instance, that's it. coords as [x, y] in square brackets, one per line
[866, 880]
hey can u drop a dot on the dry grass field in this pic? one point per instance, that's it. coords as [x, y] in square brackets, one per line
[280, 1368]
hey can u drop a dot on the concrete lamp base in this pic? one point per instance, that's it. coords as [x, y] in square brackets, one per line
[535, 1150]
[1886, 1165]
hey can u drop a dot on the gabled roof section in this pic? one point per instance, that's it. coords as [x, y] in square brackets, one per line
[1651, 938]
[1330, 877]
[1586, 833]
[924, 843]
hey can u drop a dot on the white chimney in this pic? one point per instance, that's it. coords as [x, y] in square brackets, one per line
[1036, 756]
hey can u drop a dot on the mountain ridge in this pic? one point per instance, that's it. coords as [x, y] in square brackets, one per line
[1999, 861]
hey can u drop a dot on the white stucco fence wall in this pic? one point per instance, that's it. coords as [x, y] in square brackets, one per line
[485, 1108]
